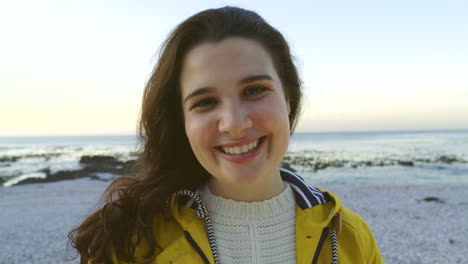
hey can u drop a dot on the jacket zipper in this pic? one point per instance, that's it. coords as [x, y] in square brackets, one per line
[196, 247]
[323, 237]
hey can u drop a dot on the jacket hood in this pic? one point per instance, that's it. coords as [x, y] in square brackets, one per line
[307, 198]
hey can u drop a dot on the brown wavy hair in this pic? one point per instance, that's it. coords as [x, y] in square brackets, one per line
[166, 162]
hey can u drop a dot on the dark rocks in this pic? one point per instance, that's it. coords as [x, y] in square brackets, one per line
[447, 159]
[91, 165]
[433, 199]
[379, 164]
[108, 164]
[422, 160]
[9, 159]
[287, 166]
[405, 163]
[99, 162]
[314, 160]
[320, 166]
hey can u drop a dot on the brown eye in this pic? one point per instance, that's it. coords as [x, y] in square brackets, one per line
[204, 104]
[254, 91]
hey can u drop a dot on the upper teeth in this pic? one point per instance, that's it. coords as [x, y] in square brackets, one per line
[241, 149]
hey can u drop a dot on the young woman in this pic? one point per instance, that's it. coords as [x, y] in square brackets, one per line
[216, 119]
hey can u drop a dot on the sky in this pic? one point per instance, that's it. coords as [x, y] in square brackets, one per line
[79, 67]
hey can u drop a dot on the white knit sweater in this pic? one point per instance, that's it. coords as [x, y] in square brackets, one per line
[254, 232]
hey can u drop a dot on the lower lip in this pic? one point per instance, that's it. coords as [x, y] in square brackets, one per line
[239, 158]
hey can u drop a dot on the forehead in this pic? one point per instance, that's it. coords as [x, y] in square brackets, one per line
[228, 60]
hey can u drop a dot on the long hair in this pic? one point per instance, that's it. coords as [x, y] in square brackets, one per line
[167, 163]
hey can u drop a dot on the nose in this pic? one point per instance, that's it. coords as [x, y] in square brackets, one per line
[235, 119]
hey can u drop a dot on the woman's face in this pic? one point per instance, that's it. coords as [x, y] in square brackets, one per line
[236, 115]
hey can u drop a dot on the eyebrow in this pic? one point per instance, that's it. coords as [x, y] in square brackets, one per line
[198, 91]
[256, 78]
[247, 79]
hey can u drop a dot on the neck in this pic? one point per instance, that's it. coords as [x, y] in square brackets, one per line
[248, 192]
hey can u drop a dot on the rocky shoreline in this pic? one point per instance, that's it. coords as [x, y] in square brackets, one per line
[92, 166]
[312, 161]
[307, 161]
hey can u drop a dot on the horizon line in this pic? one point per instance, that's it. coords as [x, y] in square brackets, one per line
[298, 132]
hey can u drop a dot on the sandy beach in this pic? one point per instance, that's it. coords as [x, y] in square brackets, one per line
[35, 219]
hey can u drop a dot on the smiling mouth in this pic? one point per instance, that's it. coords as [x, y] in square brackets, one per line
[242, 149]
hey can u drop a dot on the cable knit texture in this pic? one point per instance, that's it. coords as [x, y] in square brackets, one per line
[254, 232]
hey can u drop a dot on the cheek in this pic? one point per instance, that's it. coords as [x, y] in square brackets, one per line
[199, 131]
[272, 117]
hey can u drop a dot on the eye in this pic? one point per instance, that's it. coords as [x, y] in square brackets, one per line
[204, 104]
[254, 91]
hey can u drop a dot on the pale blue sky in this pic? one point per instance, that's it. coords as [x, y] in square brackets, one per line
[79, 67]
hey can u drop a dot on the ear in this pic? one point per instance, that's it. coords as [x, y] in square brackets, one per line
[288, 105]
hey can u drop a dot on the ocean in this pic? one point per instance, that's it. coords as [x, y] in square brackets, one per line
[397, 157]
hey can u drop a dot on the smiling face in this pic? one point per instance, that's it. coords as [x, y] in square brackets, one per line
[236, 117]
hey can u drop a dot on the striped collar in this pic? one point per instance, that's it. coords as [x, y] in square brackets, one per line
[306, 196]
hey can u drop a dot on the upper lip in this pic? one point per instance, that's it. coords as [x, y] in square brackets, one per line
[239, 143]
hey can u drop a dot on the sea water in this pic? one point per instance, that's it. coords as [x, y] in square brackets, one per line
[414, 157]
[397, 157]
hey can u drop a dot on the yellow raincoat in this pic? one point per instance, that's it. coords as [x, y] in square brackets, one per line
[182, 237]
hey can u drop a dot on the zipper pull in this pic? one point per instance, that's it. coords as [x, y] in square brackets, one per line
[169, 205]
[336, 223]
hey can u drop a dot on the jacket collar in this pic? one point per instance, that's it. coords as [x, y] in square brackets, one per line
[306, 196]
[310, 218]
